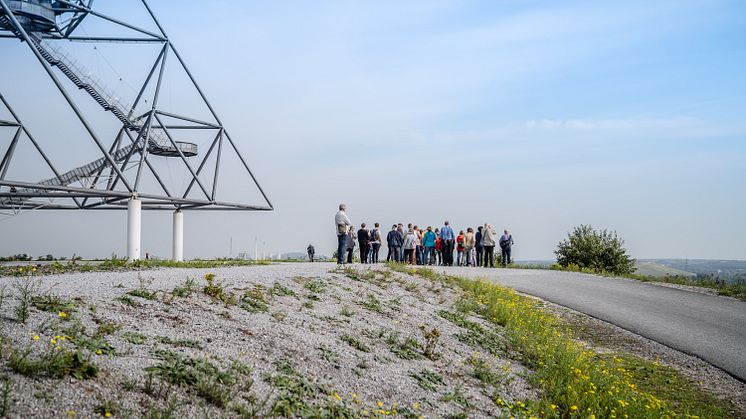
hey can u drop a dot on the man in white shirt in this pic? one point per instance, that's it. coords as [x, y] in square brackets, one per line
[342, 223]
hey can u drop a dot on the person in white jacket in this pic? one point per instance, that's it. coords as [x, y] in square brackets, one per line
[342, 223]
[488, 242]
[410, 244]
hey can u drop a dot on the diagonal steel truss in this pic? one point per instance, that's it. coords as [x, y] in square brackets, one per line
[140, 137]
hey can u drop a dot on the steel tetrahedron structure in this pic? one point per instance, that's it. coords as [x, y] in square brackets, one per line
[147, 132]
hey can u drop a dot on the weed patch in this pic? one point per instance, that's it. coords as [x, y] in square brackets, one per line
[428, 380]
[372, 303]
[476, 335]
[355, 343]
[217, 291]
[53, 303]
[295, 391]
[25, 288]
[215, 384]
[483, 372]
[127, 300]
[186, 289]
[254, 300]
[179, 343]
[408, 348]
[316, 286]
[134, 338]
[56, 361]
[280, 290]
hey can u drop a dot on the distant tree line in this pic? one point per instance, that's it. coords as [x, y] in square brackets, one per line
[23, 257]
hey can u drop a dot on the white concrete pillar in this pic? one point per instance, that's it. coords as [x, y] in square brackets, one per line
[178, 245]
[134, 208]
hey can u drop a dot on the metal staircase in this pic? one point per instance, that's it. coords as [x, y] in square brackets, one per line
[157, 144]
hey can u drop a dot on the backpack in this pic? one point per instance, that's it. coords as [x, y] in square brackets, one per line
[505, 242]
[374, 235]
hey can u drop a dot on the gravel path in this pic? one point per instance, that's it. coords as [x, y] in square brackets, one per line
[710, 327]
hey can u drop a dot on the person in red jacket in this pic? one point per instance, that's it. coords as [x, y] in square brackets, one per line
[460, 248]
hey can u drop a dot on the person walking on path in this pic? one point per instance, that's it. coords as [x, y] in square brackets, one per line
[410, 245]
[506, 243]
[469, 242]
[488, 241]
[351, 236]
[478, 245]
[311, 251]
[363, 238]
[393, 242]
[446, 234]
[428, 240]
[460, 257]
[343, 223]
[438, 247]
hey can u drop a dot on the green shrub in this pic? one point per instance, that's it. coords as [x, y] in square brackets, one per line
[598, 250]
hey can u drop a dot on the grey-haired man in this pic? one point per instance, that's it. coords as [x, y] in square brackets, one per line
[506, 243]
[342, 223]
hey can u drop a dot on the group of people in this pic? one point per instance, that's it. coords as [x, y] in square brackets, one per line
[418, 246]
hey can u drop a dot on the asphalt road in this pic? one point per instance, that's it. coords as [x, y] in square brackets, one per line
[710, 327]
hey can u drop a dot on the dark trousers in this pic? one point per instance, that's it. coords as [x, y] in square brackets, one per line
[480, 255]
[349, 255]
[409, 256]
[489, 256]
[341, 246]
[374, 256]
[394, 253]
[310, 257]
[363, 252]
[506, 256]
[448, 252]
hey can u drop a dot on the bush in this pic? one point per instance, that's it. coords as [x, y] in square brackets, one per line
[598, 250]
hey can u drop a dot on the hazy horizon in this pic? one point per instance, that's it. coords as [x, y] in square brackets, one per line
[533, 116]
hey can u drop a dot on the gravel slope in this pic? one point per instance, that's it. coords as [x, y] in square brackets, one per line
[310, 310]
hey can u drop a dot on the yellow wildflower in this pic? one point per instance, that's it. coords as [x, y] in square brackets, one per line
[62, 314]
[553, 406]
[379, 404]
[336, 395]
[36, 337]
[573, 408]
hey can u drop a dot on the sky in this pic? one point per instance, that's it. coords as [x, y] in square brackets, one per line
[531, 115]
